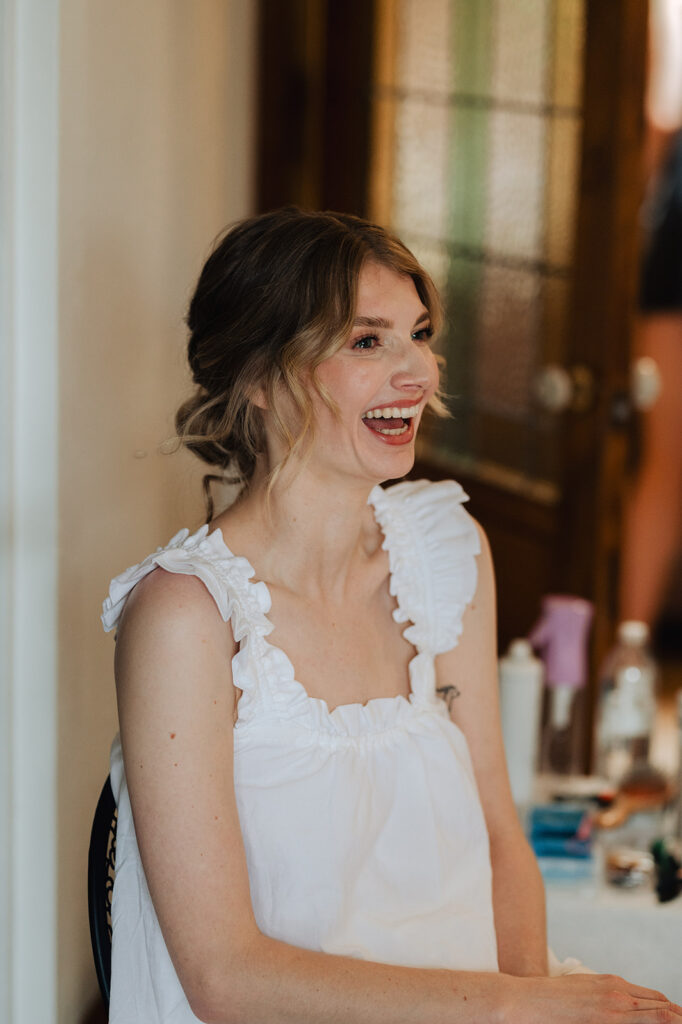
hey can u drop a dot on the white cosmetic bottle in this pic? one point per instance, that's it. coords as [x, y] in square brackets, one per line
[521, 677]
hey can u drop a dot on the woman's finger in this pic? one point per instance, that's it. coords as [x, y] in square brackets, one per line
[643, 993]
[637, 991]
[653, 1006]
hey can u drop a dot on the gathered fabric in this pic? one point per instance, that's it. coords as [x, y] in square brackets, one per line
[362, 826]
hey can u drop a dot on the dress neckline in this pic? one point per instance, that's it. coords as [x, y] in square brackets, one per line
[345, 712]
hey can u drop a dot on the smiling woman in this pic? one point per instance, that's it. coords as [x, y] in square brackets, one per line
[276, 299]
[306, 833]
[382, 381]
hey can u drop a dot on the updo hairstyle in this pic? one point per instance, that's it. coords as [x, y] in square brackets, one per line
[276, 297]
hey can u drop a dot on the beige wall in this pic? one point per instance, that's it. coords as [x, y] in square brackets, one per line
[156, 114]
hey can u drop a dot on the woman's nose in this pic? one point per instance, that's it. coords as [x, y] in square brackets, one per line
[416, 367]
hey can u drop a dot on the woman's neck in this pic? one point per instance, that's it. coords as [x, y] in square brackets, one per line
[309, 535]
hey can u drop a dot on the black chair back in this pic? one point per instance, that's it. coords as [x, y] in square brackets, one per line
[101, 873]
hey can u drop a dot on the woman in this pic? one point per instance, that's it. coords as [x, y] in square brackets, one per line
[653, 512]
[314, 830]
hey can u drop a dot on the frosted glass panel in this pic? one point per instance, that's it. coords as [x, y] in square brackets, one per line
[472, 25]
[467, 180]
[568, 44]
[428, 64]
[506, 342]
[519, 71]
[434, 256]
[485, 156]
[420, 170]
[516, 183]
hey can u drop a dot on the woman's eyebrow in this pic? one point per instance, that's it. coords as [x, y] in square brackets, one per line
[373, 321]
[387, 325]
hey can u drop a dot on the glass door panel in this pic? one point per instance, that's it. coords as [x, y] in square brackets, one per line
[477, 113]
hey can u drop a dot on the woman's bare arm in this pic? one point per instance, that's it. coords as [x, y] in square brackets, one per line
[518, 894]
[176, 706]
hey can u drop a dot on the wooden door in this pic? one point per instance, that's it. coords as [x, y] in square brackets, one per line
[502, 141]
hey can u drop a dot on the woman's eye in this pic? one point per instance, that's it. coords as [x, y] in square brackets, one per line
[369, 341]
[423, 334]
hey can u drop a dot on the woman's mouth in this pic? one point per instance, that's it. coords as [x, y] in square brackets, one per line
[392, 424]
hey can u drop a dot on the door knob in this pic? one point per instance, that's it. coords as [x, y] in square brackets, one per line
[645, 383]
[558, 389]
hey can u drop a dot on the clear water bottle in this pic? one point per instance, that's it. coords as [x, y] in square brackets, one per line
[627, 705]
[678, 822]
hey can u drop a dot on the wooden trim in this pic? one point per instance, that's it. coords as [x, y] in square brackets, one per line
[382, 149]
[347, 124]
[291, 89]
[315, 72]
[604, 291]
[606, 266]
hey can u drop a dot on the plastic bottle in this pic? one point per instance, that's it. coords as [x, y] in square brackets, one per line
[521, 676]
[627, 705]
[678, 817]
[561, 635]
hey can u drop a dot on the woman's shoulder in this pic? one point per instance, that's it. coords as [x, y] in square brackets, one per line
[199, 567]
[175, 609]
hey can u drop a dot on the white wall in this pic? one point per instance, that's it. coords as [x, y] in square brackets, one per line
[155, 118]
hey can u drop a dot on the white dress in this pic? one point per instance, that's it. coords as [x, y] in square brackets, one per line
[363, 828]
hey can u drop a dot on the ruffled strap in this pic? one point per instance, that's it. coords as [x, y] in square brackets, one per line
[432, 542]
[226, 577]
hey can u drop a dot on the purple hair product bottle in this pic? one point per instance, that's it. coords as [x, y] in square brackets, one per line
[561, 636]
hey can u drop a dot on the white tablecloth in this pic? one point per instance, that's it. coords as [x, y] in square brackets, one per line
[617, 931]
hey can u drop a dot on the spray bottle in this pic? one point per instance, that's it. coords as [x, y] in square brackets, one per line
[561, 636]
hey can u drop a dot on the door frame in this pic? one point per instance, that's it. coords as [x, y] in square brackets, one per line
[29, 163]
[605, 292]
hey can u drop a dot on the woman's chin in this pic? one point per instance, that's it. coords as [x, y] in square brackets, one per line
[391, 463]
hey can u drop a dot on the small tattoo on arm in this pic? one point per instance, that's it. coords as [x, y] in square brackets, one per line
[449, 694]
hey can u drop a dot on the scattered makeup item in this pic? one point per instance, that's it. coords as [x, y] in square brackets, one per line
[628, 868]
[667, 854]
[644, 790]
[560, 830]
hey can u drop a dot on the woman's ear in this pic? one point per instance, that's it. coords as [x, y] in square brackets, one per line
[258, 398]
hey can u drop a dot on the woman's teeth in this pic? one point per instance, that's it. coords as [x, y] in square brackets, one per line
[389, 430]
[397, 419]
[392, 413]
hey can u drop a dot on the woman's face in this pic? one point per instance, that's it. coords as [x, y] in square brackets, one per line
[381, 380]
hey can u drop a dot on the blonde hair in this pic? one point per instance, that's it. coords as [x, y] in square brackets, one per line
[277, 297]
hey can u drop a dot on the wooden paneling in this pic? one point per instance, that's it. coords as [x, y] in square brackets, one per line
[291, 90]
[596, 447]
[314, 120]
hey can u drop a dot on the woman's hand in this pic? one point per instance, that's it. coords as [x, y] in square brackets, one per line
[586, 999]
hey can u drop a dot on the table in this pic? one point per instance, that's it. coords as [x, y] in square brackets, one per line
[617, 931]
